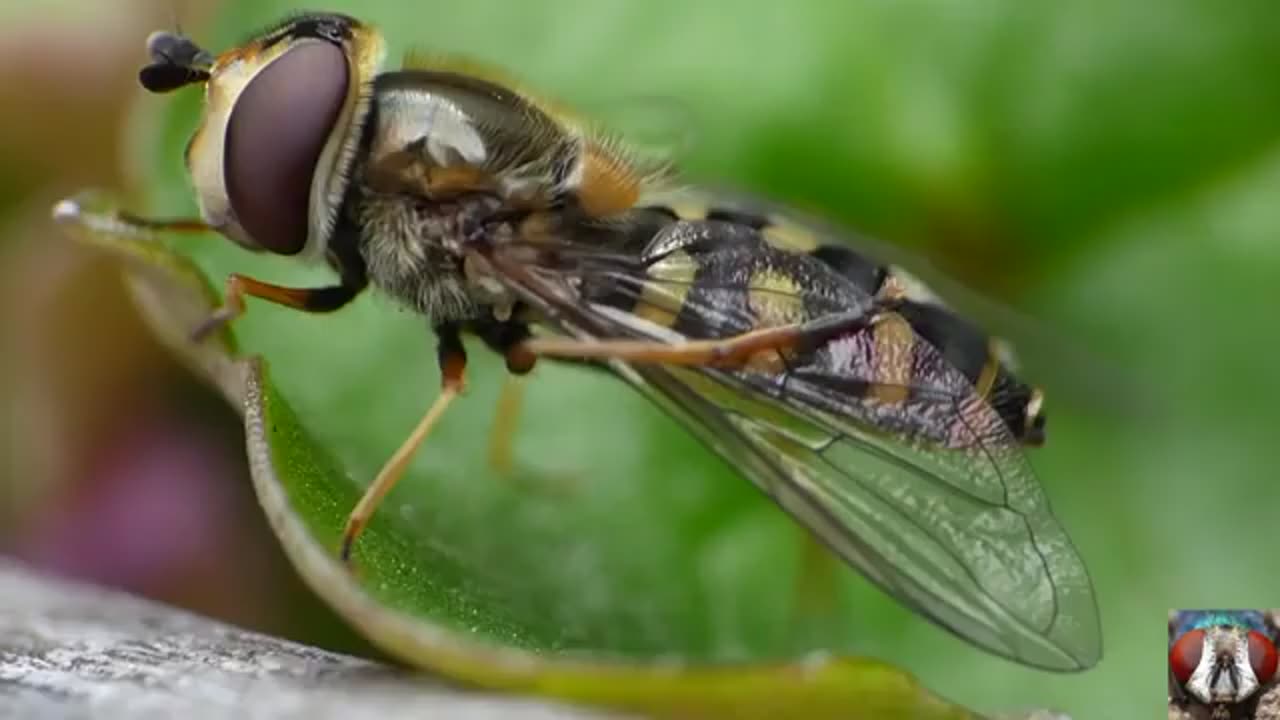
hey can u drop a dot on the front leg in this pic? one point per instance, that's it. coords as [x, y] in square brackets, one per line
[315, 300]
[106, 225]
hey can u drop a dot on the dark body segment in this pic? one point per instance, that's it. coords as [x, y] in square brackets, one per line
[855, 267]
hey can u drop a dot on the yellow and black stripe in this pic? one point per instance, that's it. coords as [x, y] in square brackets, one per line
[716, 271]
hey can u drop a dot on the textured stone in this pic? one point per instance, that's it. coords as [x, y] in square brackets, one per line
[72, 651]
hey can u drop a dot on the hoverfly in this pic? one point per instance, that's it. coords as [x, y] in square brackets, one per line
[882, 421]
[1221, 658]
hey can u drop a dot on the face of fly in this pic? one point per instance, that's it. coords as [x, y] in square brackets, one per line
[271, 157]
[1222, 657]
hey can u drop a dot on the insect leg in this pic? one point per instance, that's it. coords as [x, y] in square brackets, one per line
[97, 214]
[453, 363]
[730, 352]
[502, 437]
[816, 588]
[182, 226]
[98, 217]
[316, 300]
[501, 336]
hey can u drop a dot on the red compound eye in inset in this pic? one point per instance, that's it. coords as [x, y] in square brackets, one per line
[1184, 656]
[1262, 656]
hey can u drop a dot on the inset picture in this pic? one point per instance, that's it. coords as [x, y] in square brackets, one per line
[1222, 665]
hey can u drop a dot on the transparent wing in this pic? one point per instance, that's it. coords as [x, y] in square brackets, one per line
[924, 490]
[985, 560]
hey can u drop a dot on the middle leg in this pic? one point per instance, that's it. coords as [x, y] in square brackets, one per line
[453, 362]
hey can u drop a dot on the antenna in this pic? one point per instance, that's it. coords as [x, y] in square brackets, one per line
[176, 16]
[176, 61]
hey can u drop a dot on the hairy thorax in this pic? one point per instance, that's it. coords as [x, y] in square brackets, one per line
[412, 249]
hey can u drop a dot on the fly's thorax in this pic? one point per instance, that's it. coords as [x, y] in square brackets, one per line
[413, 250]
[437, 133]
[282, 120]
[443, 153]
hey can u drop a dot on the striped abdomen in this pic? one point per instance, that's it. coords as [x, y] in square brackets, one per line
[731, 272]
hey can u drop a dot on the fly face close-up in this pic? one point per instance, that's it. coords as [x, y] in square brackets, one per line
[1220, 659]
[888, 425]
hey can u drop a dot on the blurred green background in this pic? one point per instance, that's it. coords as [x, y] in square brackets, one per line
[1109, 170]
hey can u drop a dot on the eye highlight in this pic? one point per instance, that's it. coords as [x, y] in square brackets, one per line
[1184, 656]
[275, 135]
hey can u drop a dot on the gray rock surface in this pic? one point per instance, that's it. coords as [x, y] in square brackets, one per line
[72, 651]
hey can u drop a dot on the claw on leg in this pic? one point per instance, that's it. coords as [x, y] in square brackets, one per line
[232, 308]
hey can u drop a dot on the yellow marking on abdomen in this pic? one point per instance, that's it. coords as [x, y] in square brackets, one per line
[786, 236]
[892, 353]
[689, 210]
[987, 378]
[775, 298]
[666, 288]
[901, 285]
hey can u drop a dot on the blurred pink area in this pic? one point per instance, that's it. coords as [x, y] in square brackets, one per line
[154, 501]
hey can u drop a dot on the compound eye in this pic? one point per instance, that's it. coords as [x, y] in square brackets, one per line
[1262, 656]
[1184, 656]
[276, 132]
